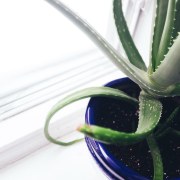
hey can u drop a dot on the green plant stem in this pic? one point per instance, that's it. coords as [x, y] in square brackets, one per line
[163, 133]
[167, 122]
[156, 156]
[175, 132]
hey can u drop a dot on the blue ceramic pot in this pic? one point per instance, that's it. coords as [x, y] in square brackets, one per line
[117, 115]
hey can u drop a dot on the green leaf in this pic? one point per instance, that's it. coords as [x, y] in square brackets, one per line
[168, 122]
[168, 73]
[176, 28]
[175, 132]
[125, 37]
[156, 156]
[164, 133]
[149, 116]
[137, 75]
[89, 92]
[165, 42]
[150, 112]
[160, 17]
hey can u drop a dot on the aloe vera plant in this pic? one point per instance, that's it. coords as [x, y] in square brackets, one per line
[160, 79]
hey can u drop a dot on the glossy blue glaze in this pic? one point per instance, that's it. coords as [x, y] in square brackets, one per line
[113, 168]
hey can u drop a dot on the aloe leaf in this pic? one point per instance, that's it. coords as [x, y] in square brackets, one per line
[150, 113]
[156, 156]
[168, 73]
[137, 75]
[167, 32]
[164, 133]
[176, 28]
[161, 11]
[125, 37]
[167, 122]
[171, 131]
[89, 92]
[175, 132]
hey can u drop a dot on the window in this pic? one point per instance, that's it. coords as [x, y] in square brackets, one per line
[43, 58]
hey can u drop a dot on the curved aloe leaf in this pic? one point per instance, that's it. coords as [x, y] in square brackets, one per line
[156, 156]
[163, 75]
[167, 33]
[161, 11]
[150, 113]
[125, 37]
[89, 92]
[176, 28]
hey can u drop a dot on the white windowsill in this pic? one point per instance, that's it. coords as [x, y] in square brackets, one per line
[48, 161]
[54, 162]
